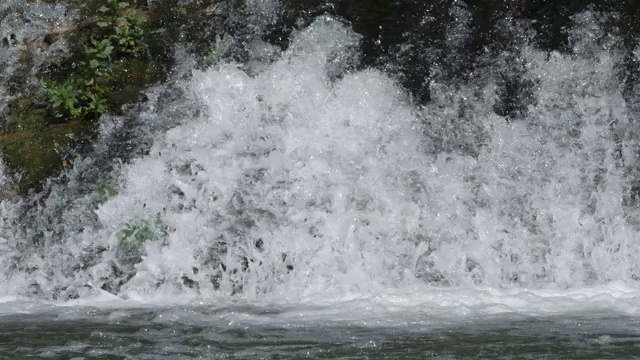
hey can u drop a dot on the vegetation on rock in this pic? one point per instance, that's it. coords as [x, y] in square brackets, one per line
[85, 95]
[41, 123]
[134, 235]
[105, 192]
[220, 50]
[126, 26]
[115, 51]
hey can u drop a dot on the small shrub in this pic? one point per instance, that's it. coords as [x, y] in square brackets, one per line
[105, 192]
[64, 99]
[94, 103]
[127, 26]
[112, 8]
[129, 32]
[97, 59]
[134, 235]
[221, 50]
[75, 100]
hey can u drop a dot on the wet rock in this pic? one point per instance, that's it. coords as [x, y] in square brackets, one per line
[215, 280]
[475, 270]
[91, 256]
[259, 244]
[315, 232]
[176, 191]
[104, 271]
[111, 277]
[186, 281]
[35, 154]
[35, 290]
[425, 268]
[64, 293]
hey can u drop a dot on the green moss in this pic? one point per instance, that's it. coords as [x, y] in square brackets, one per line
[33, 140]
[25, 113]
[33, 144]
[34, 156]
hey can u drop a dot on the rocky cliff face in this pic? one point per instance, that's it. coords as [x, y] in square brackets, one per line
[43, 40]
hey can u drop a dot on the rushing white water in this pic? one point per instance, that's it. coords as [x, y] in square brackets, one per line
[307, 183]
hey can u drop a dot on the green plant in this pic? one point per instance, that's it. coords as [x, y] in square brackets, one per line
[129, 32]
[95, 67]
[127, 26]
[134, 235]
[105, 192]
[64, 99]
[220, 50]
[94, 103]
[97, 59]
[78, 98]
[73, 100]
[112, 8]
[85, 95]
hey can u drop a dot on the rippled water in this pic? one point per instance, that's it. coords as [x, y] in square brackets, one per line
[205, 333]
[588, 323]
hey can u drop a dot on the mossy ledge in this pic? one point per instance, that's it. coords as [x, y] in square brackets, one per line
[38, 142]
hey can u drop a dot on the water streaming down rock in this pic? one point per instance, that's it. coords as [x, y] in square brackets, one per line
[25, 26]
[292, 177]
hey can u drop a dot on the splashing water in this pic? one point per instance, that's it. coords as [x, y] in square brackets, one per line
[299, 180]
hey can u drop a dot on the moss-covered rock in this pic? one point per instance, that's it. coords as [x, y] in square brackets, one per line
[33, 156]
[34, 136]
[129, 79]
[24, 113]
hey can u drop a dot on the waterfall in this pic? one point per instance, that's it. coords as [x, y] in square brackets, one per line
[299, 173]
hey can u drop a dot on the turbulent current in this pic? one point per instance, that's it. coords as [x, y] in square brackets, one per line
[300, 179]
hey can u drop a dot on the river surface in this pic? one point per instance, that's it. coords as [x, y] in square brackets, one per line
[303, 204]
[366, 331]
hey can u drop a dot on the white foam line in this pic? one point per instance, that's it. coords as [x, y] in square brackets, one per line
[419, 305]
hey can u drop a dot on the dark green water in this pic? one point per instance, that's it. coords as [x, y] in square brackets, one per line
[191, 333]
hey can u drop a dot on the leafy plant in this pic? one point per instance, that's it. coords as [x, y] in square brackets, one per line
[105, 192]
[86, 94]
[134, 235]
[94, 103]
[73, 101]
[112, 8]
[97, 56]
[127, 26]
[64, 99]
[129, 32]
[221, 49]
